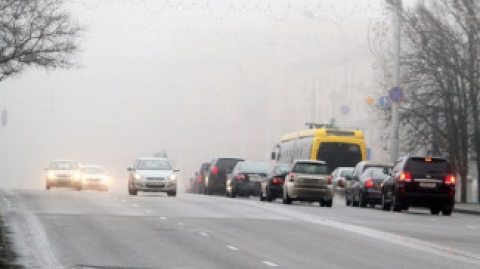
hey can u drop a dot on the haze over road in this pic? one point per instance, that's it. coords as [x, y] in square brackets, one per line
[110, 229]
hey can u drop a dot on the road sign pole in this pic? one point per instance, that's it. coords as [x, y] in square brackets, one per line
[396, 80]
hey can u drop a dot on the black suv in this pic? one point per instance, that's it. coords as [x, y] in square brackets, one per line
[216, 176]
[420, 181]
[199, 184]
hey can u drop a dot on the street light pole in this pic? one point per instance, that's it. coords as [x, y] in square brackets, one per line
[396, 78]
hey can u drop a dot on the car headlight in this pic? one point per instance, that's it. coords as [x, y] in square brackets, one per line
[51, 175]
[77, 175]
[173, 177]
[137, 176]
[105, 179]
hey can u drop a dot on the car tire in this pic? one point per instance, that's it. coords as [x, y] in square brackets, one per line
[329, 203]
[321, 203]
[78, 188]
[347, 202]
[396, 206]
[172, 193]
[434, 210]
[262, 197]
[447, 210]
[131, 190]
[385, 206]
[233, 194]
[47, 187]
[361, 200]
[269, 195]
[286, 198]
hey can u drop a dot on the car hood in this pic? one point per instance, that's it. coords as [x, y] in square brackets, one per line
[155, 173]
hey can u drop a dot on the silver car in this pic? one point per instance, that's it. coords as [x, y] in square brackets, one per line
[308, 180]
[339, 181]
[152, 175]
[94, 177]
[63, 173]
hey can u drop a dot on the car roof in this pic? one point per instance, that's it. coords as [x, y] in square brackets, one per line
[309, 161]
[90, 166]
[63, 160]
[423, 157]
[152, 158]
[377, 163]
[234, 158]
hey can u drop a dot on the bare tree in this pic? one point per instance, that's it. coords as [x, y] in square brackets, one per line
[35, 33]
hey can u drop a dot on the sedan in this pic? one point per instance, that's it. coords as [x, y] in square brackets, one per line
[152, 175]
[367, 189]
[93, 177]
[271, 187]
[245, 179]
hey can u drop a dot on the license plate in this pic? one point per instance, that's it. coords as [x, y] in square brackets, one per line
[427, 185]
[155, 185]
[310, 180]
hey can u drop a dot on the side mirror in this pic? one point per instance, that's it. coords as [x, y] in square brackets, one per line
[273, 156]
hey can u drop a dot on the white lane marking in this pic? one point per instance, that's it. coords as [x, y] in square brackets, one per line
[148, 211]
[124, 200]
[163, 218]
[204, 233]
[473, 227]
[180, 223]
[135, 205]
[271, 264]
[232, 247]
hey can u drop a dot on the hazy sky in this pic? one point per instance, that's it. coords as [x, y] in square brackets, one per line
[196, 78]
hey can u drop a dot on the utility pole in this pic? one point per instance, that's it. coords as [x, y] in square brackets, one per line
[396, 78]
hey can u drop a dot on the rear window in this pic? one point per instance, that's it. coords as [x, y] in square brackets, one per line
[310, 168]
[345, 173]
[249, 167]
[428, 165]
[205, 166]
[227, 164]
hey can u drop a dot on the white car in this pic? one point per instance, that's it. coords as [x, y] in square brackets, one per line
[152, 175]
[339, 178]
[94, 177]
[63, 173]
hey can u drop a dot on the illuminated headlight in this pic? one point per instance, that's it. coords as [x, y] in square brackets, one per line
[137, 176]
[105, 179]
[172, 177]
[51, 175]
[77, 176]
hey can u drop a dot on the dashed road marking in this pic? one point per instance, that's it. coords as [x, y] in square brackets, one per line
[204, 233]
[148, 211]
[135, 205]
[271, 264]
[232, 247]
[163, 218]
[180, 223]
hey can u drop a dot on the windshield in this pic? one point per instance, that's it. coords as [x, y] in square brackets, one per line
[153, 165]
[63, 165]
[93, 170]
[346, 172]
[250, 167]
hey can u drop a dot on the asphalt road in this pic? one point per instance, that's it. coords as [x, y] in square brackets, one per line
[70, 229]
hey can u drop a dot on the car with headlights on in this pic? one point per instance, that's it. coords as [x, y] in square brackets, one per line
[94, 177]
[63, 173]
[151, 174]
[271, 187]
[308, 180]
[245, 179]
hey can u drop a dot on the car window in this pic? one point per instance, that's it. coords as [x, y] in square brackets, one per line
[153, 165]
[346, 172]
[95, 170]
[63, 165]
[310, 168]
[251, 167]
[427, 165]
[227, 164]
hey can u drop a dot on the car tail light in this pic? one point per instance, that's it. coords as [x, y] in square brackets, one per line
[277, 181]
[199, 179]
[240, 177]
[292, 177]
[329, 178]
[406, 177]
[450, 180]
[369, 183]
[340, 183]
[215, 170]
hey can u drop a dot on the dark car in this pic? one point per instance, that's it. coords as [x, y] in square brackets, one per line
[420, 181]
[271, 187]
[245, 179]
[368, 187]
[216, 176]
[198, 185]
[351, 197]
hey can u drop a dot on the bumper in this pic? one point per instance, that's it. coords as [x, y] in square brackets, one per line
[155, 186]
[95, 185]
[372, 195]
[426, 199]
[248, 189]
[63, 183]
[312, 194]
[275, 190]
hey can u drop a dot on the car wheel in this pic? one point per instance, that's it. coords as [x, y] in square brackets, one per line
[269, 196]
[434, 210]
[286, 198]
[47, 187]
[233, 194]
[385, 206]
[172, 193]
[131, 190]
[396, 206]
[329, 203]
[361, 200]
[321, 203]
[79, 187]
[447, 210]
[262, 197]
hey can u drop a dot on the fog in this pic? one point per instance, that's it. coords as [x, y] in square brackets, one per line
[197, 79]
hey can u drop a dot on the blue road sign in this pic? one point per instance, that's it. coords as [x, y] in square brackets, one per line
[396, 94]
[369, 153]
[384, 101]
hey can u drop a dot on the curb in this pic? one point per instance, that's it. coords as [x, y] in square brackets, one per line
[466, 211]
